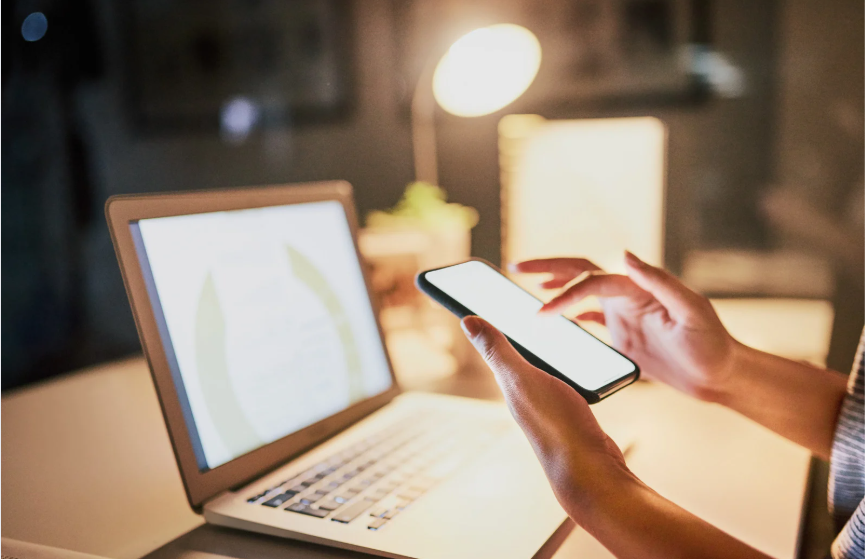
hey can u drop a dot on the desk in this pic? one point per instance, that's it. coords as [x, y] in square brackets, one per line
[88, 466]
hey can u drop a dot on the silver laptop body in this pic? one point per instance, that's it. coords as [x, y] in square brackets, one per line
[256, 318]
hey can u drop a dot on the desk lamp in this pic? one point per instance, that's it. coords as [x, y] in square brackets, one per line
[482, 72]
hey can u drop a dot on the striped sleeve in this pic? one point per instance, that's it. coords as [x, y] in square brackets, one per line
[850, 543]
[847, 467]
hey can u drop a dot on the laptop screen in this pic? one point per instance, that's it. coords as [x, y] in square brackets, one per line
[265, 319]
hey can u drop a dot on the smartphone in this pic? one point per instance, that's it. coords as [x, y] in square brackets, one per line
[553, 344]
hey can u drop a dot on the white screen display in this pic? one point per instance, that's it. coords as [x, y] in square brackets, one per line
[556, 340]
[269, 320]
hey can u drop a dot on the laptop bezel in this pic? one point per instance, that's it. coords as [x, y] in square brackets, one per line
[121, 211]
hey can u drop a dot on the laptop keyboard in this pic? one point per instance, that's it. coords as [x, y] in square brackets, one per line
[381, 476]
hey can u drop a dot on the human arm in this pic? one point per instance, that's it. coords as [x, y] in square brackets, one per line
[675, 336]
[586, 469]
[796, 400]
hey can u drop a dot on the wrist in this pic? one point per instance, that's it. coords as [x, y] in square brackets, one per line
[609, 492]
[729, 376]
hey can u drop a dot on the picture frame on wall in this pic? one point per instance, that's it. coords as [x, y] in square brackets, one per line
[623, 51]
[194, 63]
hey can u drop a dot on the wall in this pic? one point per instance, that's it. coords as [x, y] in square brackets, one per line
[818, 162]
[723, 154]
[718, 151]
[371, 150]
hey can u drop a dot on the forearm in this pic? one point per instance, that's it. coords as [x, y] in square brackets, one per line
[796, 400]
[632, 521]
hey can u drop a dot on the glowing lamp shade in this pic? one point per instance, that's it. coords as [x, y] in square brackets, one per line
[486, 70]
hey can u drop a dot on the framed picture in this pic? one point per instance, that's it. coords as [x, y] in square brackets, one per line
[276, 61]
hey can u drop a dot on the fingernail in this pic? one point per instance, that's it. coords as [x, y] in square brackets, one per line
[512, 267]
[544, 310]
[632, 260]
[471, 326]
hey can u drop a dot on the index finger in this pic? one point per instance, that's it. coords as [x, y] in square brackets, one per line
[598, 285]
[559, 267]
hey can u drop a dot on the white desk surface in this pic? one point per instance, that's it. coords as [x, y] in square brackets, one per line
[87, 465]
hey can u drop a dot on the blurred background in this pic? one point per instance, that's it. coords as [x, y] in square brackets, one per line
[722, 138]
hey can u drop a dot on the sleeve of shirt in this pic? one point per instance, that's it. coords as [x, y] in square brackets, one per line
[850, 543]
[847, 467]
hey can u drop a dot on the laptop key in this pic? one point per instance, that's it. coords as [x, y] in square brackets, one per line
[408, 494]
[313, 497]
[377, 523]
[279, 499]
[329, 504]
[352, 511]
[306, 509]
[257, 497]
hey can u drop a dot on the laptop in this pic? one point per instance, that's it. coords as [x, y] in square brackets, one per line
[256, 318]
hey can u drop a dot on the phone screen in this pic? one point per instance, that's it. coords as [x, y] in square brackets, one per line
[556, 340]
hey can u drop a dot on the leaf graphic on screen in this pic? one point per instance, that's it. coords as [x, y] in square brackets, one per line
[306, 272]
[231, 423]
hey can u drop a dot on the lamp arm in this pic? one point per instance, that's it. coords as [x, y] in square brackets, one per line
[423, 127]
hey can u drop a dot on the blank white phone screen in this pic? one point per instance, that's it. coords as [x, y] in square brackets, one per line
[556, 340]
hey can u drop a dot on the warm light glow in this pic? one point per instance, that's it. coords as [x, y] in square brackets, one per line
[592, 187]
[486, 70]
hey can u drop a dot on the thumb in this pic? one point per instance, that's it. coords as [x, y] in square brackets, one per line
[549, 412]
[513, 373]
[680, 302]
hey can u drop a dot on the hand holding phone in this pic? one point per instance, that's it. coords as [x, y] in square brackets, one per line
[551, 343]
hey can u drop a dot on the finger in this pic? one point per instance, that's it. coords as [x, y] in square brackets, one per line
[545, 407]
[520, 382]
[599, 285]
[593, 316]
[555, 283]
[559, 267]
[679, 301]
